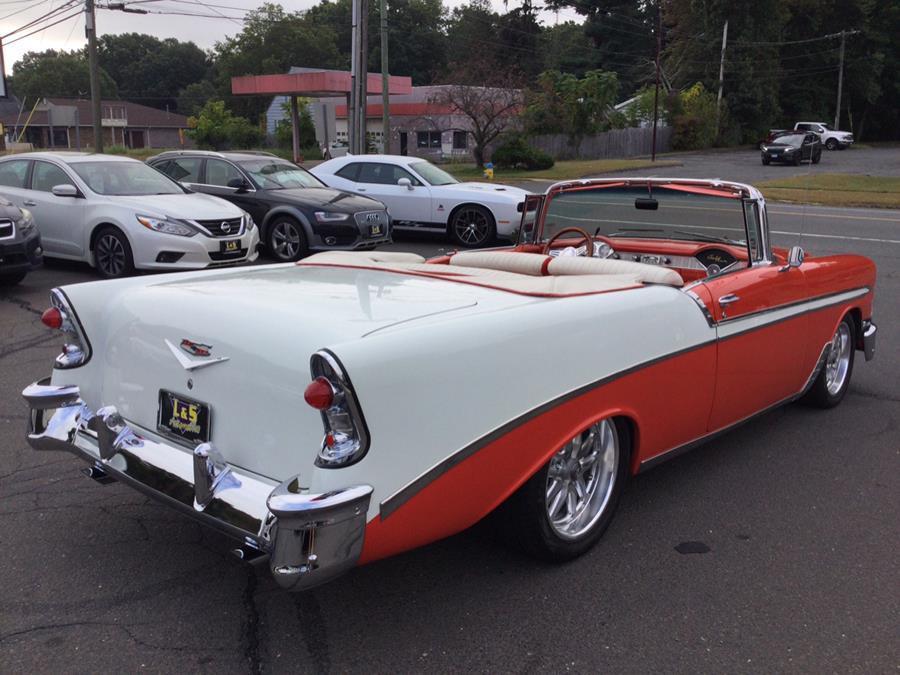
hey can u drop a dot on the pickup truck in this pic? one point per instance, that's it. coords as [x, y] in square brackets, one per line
[831, 139]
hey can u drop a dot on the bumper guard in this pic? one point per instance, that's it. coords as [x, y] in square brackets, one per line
[310, 538]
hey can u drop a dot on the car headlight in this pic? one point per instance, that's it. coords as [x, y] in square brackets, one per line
[789, 151]
[248, 222]
[26, 222]
[327, 217]
[166, 226]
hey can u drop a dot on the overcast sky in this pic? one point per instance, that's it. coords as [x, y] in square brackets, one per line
[205, 32]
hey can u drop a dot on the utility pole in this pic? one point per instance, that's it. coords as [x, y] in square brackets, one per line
[721, 77]
[656, 92]
[358, 76]
[90, 29]
[385, 98]
[837, 110]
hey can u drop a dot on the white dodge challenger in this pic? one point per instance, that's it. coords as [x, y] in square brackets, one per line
[420, 195]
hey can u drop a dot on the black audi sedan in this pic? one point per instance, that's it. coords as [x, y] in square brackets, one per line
[20, 243]
[793, 149]
[296, 213]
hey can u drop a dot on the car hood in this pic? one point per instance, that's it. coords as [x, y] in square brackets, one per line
[780, 146]
[190, 206]
[490, 190]
[325, 198]
[9, 210]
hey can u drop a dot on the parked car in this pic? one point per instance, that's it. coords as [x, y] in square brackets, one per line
[423, 196]
[330, 432]
[295, 212]
[20, 243]
[772, 135]
[118, 214]
[832, 139]
[792, 149]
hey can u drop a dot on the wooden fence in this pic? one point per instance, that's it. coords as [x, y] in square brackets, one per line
[614, 144]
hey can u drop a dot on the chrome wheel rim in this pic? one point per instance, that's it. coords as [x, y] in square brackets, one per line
[580, 480]
[110, 255]
[471, 226]
[285, 240]
[837, 365]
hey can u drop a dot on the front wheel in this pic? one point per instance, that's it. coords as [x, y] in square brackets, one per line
[564, 509]
[831, 144]
[112, 254]
[472, 226]
[833, 381]
[765, 161]
[286, 240]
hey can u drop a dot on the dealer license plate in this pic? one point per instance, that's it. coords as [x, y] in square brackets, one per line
[233, 246]
[375, 230]
[183, 417]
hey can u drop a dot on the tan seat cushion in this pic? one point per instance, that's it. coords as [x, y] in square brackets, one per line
[532, 264]
[651, 274]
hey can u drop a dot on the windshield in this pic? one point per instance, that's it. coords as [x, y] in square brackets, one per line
[125, 179]
[795, 140]
[640, 212]
[827, 126]
[432, 174]
[274, 175]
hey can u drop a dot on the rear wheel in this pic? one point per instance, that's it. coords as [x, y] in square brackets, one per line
[564, 509]
[112, 254]
[12, 279]
[833, 381]
[831, 144]
[472, 226]
[286, 240]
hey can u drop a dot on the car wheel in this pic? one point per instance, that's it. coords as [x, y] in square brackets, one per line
[765, 161]
[12, 279]
[472, 226]
[112, 254]
[834, 379]
[286, 240]
[831, 144]
[564, 509]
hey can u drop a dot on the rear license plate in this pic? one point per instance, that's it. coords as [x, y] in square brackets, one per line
[233, 246]
[375, 230]
[183, 417]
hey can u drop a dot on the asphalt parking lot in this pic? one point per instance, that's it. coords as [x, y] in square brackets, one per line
[796, 514]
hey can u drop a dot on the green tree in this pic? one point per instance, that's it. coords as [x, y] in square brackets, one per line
[284, 133]
[149, 70]
[193, 97]
[54, 73]
[215, 128]
[566, 48]
[563, 103]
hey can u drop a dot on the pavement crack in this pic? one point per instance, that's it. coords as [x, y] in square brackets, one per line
[22, 345]
[251, 624]
[313, 631]
[21, 304]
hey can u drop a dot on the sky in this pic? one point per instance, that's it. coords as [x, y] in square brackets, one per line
[205, 32]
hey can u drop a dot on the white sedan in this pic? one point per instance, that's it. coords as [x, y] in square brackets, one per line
[420, 195]
[119, 214]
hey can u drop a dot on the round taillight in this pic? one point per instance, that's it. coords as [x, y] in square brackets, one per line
[319, 394]
[52, 318]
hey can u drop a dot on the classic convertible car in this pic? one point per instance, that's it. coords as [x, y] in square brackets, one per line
[355, 405]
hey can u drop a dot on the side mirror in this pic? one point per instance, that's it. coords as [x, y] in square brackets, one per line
[239, 184]
[65, 190]
[795, 258]
[405, 182]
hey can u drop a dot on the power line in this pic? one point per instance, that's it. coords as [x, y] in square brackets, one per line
[76, 13]
[52, 13]
[23, 9]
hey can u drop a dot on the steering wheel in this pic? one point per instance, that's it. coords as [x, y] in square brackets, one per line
[588, 240]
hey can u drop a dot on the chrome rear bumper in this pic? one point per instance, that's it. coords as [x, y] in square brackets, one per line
[310, 538]
[869, 331]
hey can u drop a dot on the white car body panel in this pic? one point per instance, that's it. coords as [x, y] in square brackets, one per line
[386, 329]
[408, 206]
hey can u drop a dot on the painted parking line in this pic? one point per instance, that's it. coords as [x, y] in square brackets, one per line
[838, 236]
[804, 214]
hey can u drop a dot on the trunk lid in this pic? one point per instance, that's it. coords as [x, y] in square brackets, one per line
[266, 322]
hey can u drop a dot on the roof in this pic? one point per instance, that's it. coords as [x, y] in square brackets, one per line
[315, 84]
[75, 157]
[137, 115]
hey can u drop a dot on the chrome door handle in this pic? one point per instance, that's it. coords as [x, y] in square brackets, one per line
[28, 202]
[728, 299]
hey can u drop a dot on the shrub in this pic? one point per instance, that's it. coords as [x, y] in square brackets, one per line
[215, 128]
[515, 153]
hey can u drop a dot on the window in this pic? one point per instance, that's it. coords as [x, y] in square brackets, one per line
[46, 175]
[185, 169]
[219, 172]
[125, 178]
[275, 174]
[384, 174]
[805, 127]
[12, 173]
[460, 140]
[349, 172]
[428, 139]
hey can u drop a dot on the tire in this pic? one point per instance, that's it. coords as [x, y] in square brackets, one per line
[286, 239]
[547, 518]
[831, 144]
[472, 226]
[112, 254]
[12, 279]
[832, 383]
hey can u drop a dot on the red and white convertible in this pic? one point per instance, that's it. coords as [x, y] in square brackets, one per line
[356, 405]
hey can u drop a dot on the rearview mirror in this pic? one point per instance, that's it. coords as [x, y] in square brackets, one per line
[405, 182]
[64, 190]
[646, 204]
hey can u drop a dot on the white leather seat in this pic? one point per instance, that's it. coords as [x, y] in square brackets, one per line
[532, 264]
[651, 274]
